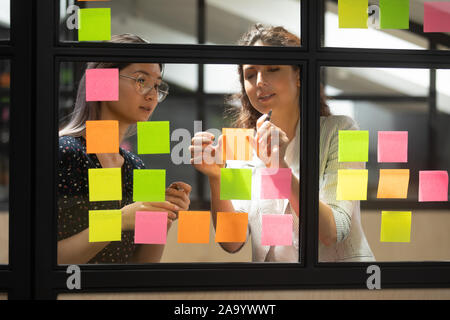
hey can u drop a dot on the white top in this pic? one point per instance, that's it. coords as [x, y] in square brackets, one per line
[351, 242]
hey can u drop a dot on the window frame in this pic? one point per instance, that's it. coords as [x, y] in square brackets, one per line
[16, 276]
[50, 279]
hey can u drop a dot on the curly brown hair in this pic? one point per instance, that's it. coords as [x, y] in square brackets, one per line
[247, 116]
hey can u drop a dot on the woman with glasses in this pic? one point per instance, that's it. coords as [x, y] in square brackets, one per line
[273, 91]
[140, 90]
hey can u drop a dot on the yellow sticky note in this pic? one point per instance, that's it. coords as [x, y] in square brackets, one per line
[352, 184]
[395, 226]
[393, 184]
[105, 184]
[353, 13]
[105, 225]
[236, 144]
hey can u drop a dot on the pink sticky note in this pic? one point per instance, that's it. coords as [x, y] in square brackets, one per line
[392, 146]
[102, 84]
[276, 230]
[433, 185]
[436, 17]
[275, 183]
[150, 227]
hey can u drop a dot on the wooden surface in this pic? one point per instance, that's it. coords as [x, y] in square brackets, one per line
[4, 236]
[389, 294]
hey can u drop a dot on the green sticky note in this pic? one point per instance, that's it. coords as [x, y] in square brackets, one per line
[105, 184]
[105, 225]
[353, 13]
[153, 137]
[149, 185]
[395, 226]
[352, 184]
[94, 24]
[235, 184]
[353, 146]
[394, 14]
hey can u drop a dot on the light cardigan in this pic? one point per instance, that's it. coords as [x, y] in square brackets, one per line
[351, 244]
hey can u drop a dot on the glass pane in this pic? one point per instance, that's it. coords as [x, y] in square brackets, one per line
[228, 20]
[386, 37]
[176, 21]
[188, 111]
[4, 160]
[443, 91]
[378, 153]
[157, 21]
[5, 19]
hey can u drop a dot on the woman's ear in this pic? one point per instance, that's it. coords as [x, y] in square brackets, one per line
[298, 78]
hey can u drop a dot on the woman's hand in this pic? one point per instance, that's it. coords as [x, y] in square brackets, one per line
[205, 157]
[271, 143]
[178, 194]
[129, 212]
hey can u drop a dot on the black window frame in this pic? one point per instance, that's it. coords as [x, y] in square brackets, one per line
[16, 277]
[50, 279]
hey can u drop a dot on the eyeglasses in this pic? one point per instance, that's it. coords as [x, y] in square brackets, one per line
[145, 84]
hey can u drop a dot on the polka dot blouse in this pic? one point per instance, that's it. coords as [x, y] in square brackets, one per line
[73, 196]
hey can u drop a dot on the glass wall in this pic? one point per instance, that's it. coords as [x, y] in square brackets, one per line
[5, 19]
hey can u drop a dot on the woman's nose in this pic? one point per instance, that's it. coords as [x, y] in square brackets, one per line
[151, 94]
[260, 79]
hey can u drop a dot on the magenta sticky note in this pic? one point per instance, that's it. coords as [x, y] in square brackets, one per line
[275, 183]
[433, 185]
[436, 16]
[102, 85]
[392, 146]
[277, 230]
[150, 227]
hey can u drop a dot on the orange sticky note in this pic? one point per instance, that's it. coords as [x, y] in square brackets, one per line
[236, 144]
[102, 136]
[393, 184]
[193, 226]
[231, 227]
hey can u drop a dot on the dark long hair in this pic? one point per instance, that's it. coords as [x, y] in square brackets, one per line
[246, 116]
[90, 110]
